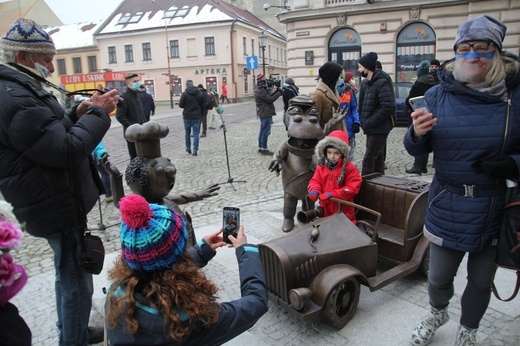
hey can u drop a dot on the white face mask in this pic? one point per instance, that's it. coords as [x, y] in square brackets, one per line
[352, 82]
[44, 71]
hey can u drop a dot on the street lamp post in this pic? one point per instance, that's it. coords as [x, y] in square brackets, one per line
[167, 52]
[262, 39]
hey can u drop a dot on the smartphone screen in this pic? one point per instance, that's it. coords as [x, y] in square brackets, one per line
[419, 103]
[231, 222]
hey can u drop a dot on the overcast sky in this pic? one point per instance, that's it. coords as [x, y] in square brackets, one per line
[73, 11]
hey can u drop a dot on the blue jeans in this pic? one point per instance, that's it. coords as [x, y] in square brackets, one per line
[265, 131]
[73, 288]
[443, 268]
[190, 124]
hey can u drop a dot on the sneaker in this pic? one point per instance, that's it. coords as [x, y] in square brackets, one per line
[423, 333]
[211, 128]
[266, 152]
[109, 199]
[95, 335]
[203, 135]
[188, 151]
[466, 336]
[194, 153]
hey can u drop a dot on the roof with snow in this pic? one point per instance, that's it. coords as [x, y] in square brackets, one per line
[137, 15]
[74, 35]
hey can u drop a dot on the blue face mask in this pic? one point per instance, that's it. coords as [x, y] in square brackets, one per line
[135, 86]
[472, 55]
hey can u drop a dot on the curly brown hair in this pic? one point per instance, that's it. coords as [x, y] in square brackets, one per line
[182, 288]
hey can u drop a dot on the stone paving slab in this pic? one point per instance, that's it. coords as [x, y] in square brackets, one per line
[384, 317]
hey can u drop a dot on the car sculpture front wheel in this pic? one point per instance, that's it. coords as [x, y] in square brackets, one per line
[342, 303]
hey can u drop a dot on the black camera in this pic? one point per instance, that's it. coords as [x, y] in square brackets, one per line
[274, 82]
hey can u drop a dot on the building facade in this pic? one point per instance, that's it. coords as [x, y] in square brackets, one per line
[402, 32]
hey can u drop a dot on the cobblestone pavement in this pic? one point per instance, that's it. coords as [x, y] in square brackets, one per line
[384, 317]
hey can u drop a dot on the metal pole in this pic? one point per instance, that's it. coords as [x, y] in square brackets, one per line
[263, 60]
[168, 60]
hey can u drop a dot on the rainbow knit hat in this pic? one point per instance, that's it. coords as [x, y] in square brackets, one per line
[153, 237]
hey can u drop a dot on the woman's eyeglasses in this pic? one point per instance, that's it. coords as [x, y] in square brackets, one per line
[478, 47]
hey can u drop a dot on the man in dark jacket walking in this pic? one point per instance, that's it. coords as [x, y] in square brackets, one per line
[427, 77]
[265, 111]
[41, 149]
[148, 102]
[130, 111]
[376, 111]
[192, 102]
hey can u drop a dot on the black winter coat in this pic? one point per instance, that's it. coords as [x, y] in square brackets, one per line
[131, 110]
[192, 101]
[265, 101]
[38, 145]
[377, 104]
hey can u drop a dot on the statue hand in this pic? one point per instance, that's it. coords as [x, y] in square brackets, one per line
[275, 166]
[210, 190]
[109, 167]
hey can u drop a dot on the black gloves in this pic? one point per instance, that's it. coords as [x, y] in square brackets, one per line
[501, 167]
[356, 128]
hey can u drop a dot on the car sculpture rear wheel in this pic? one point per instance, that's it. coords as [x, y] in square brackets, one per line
[342, 303]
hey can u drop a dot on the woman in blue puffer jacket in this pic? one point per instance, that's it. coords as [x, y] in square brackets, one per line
[473, 132]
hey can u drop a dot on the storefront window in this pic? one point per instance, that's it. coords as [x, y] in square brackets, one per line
[415, 43]
[345, 49]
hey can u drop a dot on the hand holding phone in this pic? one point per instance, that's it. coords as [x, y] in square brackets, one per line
[420, 103]
[231, 222]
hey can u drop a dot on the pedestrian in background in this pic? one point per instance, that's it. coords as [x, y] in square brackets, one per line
[223, 96]
[426, 78]
[99, 154]
[290, 90]
[213, 94]
[41, 150]
[376, 112]
[476, 146]
[326, 97]
[207, 106]
[192, 103]
[160, 297]
[147, 101]
[264, 99]
[347, 102]
[130, 111]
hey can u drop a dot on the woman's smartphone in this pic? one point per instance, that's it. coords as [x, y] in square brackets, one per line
[231, 222]
[420, 103]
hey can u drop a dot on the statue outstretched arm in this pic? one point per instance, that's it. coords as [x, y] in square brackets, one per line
[279, 156]
[183, 198]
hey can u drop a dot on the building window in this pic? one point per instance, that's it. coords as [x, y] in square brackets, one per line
[344, 48]
[269, 53]
[244, 45]
[147, 51]
[253, 46]
[76, 65]
[129, 53]
[128, 18]
[277, 54]
[92, 64]
[415, 42]
[112, 58]
[209, 43]
[174, 49]
[61, 66]
[174, 11]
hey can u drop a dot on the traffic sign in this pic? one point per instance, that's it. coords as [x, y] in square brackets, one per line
[252, 62]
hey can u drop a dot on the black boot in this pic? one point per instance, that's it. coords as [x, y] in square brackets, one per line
[424, 167]
[416, 169]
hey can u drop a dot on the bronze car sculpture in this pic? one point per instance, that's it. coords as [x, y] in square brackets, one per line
[315, 273]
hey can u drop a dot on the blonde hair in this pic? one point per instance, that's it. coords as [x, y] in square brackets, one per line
[501, 66]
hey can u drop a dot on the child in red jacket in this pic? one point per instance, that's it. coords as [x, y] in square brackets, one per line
[335, 175]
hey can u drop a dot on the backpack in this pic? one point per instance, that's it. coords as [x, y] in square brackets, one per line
[214, 100]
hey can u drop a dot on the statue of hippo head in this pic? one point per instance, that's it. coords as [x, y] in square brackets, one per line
[303, 126]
